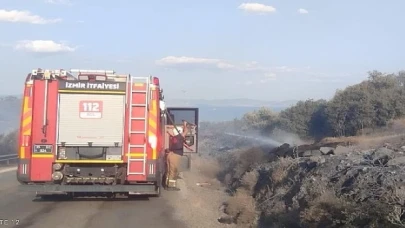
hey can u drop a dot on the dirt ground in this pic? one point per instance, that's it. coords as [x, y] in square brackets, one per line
[199, 202]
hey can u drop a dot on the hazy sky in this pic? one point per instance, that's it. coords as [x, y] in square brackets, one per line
[270, 50]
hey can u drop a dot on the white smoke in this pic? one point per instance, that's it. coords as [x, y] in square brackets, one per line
[262, 139]
[275, 139]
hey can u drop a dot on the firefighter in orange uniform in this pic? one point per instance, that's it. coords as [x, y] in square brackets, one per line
[175, 152]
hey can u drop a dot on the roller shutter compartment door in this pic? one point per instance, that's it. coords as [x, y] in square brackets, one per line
[96, 118]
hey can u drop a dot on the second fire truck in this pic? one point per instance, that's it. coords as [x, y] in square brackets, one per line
[95, 132]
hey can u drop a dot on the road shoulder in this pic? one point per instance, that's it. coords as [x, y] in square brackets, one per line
[197, 203]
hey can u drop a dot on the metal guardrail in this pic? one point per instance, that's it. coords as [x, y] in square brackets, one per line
[7, 158]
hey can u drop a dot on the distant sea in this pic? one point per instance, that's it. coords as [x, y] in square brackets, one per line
[212, 113]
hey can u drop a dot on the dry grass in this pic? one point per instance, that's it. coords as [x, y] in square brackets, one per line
[238, 174]
[365, 141]
[242, 204]
[242, 207]
[372, 137]
[281, 169]
[324, 209]
[398, 124]
[249, 181]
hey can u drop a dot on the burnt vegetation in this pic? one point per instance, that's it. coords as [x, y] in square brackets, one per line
[346, 171]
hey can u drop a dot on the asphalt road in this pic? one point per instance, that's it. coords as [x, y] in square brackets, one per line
[29, 211]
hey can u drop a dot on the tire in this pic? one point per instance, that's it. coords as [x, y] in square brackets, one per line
[19, 179]
[158, 185]
[158, 191]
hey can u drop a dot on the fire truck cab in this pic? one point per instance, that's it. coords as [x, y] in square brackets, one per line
[95, 133]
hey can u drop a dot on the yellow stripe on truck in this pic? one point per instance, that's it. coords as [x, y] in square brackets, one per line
[26, 100]
[27, 121]
[26, 129]
[42, 155]
[22, 152]
[152, 128]
[152, 123]
[136, 154]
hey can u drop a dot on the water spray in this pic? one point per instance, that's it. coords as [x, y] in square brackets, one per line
[265, 140]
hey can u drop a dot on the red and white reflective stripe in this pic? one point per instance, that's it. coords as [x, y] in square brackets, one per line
[151, 169]
[23, 168]
[26, 140]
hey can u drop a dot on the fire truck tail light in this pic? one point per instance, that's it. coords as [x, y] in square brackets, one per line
[26, 140]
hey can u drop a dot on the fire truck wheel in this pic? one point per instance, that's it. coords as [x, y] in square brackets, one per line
[159, 184]
[46, 197]
[22, 182]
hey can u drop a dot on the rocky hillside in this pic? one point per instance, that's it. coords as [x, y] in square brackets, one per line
[328, 184]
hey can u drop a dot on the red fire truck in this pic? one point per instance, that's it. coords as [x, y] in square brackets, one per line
[95, 132]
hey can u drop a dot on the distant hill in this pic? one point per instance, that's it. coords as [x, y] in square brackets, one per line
[224, 113]
[210, 110]
[231, 102]
[227, 109]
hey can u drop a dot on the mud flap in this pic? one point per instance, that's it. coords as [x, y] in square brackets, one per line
[53, 195]
[159, 176]
[39, 194]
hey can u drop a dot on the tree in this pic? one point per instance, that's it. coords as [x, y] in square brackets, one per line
[298, 119]
[372, 103]
[262, 119]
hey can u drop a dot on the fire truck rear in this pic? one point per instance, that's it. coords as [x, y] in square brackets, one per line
[89, 132]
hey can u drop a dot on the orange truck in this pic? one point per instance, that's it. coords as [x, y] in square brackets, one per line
[96, 133]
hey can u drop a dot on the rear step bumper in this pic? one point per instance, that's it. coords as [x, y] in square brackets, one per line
[132, 189]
